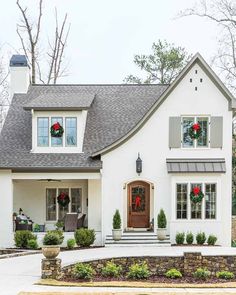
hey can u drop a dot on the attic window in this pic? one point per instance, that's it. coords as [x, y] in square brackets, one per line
[191, 80]
[195, 71]
[196, 88]
[201, 80]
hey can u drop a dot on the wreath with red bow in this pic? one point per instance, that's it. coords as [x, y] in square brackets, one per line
[195, 131]
[196, 195]
[63, 199]
[57, 130]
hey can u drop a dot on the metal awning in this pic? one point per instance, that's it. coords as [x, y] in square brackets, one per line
[196, 165]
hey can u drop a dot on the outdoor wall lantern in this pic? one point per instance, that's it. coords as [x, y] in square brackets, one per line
[139, 165]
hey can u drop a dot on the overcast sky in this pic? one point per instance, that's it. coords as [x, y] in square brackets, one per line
[105, 34]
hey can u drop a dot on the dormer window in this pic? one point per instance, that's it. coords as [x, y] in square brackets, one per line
[46, 139]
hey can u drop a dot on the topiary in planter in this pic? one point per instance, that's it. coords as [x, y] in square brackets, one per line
[117, 220]
[22, 237]
[84, 237]
[161, 219]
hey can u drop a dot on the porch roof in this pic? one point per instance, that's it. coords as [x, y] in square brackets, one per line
[196, 165]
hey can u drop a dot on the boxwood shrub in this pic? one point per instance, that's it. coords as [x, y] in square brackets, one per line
[83, 271]
[84, 237]
[22, 237]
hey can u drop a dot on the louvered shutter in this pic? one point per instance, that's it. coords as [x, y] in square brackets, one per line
[175, 132]
[216, 134]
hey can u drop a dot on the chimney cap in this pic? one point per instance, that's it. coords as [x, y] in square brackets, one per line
[18, 60]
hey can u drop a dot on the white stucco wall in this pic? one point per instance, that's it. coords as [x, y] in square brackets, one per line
[151, 141]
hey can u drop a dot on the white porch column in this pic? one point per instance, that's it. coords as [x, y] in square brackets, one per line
[6, 209]
[95, 208]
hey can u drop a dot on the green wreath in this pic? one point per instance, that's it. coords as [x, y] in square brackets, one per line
[63, 199]
[196, 195]
[195, 131]
[57, 130]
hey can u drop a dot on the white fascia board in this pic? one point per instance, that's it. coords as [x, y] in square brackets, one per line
[60, 176]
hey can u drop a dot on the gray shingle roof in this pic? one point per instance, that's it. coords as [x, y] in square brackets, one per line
[61, 101]
[196, 165]
[115, 110]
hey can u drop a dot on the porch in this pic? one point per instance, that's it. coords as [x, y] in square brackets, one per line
[35, 196]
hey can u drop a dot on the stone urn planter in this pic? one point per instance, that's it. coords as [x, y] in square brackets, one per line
[50, 251]
[116, 231]
[161, 234]
[51, 242]
[116, 234]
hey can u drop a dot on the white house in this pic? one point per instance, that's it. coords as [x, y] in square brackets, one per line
[105, 128]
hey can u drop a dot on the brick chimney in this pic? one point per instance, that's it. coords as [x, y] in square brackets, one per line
[19, 74]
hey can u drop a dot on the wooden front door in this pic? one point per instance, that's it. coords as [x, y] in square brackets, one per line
[138, 204]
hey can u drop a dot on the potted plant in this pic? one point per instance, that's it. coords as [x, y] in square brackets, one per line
[161, 223]
[51, 242]
[59, 225]
[116, 231]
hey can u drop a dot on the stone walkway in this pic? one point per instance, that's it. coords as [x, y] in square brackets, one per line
[20, 273]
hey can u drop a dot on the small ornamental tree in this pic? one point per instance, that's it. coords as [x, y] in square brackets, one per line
[161, 219]
[117, 220]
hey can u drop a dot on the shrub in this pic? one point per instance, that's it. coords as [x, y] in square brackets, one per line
[161, 219]
[202, 273]
[138, 271]
[32, 244]
[117, 220]
[22, 237]
[83, 271]
[189, 238]
[179, 238]
[59, 224]
[201, 238]
[70, 243]
[84, 237]
[60, 233]
[36, 227]
[233, 243]
[173, 273]
[111, 270]
[211, 240]
[226, 275]
[51, 238]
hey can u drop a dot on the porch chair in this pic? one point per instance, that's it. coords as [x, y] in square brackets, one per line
[73, 221]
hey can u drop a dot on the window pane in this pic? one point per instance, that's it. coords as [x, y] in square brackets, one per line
[51, 204]
[42, 131]
[181, 201]
[187, 123]
[71, 131]
[210, 201]
[203, 139]
[76, 200]
[62, 210]
[196, 208]
[57, 141]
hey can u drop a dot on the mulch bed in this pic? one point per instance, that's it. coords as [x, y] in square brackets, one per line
[152, 279]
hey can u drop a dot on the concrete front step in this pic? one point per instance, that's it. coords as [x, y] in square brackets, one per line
[134, 239]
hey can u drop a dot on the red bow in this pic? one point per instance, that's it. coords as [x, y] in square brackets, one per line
[196, 127]
[138, 201]
[56, 126]
[196, 190]
[62, 196]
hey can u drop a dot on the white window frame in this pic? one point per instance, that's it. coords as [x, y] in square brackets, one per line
[195, 146]
[203, 183]
[81, 117]
[57, 205]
